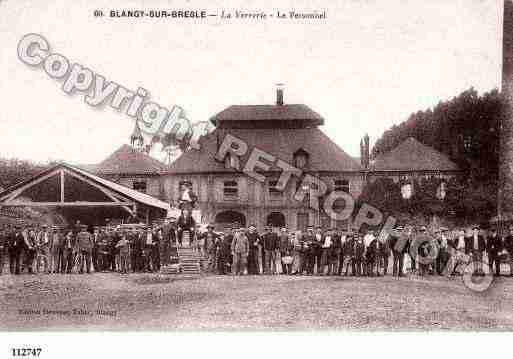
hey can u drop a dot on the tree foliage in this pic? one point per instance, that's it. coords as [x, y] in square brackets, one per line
[466, 128]
[13, 170]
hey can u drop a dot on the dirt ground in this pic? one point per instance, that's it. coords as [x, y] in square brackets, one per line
[110, 301]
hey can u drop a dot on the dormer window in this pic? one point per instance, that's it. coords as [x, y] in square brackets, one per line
[139, 186]
[301, 158]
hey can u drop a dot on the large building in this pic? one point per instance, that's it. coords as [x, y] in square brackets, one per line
[291, 133]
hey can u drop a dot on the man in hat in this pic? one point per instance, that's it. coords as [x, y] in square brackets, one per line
[359, 255]
[282, 250]
[103, 251]
[326, 247]
[14, 248]
[336, 252]
[223, 249]
[56, 243]
[383, 252]
[347, 254]
[68, 245]
[398, 251]
[169, 240]
[255, 255]
[148, 244]
[317, 249]
[94, 254]
[43, 249]
[29, 247]
[124, 252]
[309, 250]
[270, 239]
[240, 251]
[186, 227]
[494, 247]
[85, 248]
[372, 256]
[443, 254]
[209, 239]
[475, 246]
[508, 246]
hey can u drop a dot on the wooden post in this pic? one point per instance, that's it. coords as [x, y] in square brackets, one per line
[505, 190]
[62, 186]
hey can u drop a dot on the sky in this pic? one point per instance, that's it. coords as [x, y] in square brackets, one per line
[365, 68]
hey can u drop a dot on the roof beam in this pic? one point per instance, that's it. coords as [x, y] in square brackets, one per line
[66, 204]
[113, 196]
[18, 191]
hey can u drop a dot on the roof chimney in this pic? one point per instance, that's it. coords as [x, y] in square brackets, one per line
[279, 94]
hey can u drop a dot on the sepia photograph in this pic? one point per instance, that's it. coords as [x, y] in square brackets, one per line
[243, 166]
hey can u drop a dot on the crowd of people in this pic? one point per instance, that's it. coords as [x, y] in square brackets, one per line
[44, 249]
[240, 251]
[355, 253]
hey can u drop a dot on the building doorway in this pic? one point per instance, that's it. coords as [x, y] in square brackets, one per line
[276, 219]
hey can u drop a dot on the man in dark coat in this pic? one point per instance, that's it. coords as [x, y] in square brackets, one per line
[185, 223]
[135, 239]
[15, 247]
[310, 250]
[224, 250]
[372, 257]
[317, 248]
[103, 251]
[94, 254]
[359, 255]
[254, 258]
[270, 240]
[336, 250]
[494, 247]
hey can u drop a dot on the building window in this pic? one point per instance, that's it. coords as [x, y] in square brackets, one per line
[273, 191]
[301, 159]
[140, 186]
[341, 185]
[230, 189]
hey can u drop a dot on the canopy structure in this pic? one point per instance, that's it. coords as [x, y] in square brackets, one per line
[79, 195]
